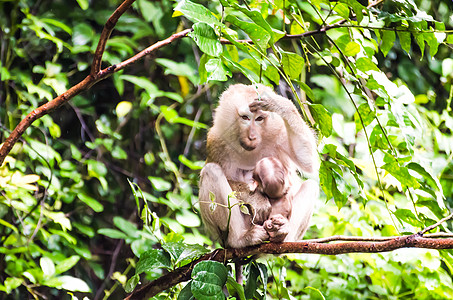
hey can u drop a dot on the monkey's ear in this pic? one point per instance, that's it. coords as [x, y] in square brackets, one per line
[253, 186]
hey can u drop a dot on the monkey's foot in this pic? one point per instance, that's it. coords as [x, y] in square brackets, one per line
[277, 227]
[256, 235]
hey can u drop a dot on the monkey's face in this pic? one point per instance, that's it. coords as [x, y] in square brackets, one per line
[251, 128]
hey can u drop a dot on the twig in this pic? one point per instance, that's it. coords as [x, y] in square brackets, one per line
[429, 228]
[105, 35]
[115, 254]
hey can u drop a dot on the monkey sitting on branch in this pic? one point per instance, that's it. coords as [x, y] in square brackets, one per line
[252, 123]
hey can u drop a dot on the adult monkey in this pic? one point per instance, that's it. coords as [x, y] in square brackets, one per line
[250, 123]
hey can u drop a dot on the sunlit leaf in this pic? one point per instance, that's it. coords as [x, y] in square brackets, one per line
[206, 39]
[323, 118]
[83, 4]
[257, 34]
[388, 38]
[196, 13]
[123, 108]
[292, 64]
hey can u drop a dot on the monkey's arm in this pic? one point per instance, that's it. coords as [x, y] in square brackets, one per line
[301, 137]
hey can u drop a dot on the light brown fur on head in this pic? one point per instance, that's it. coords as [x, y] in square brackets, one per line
[240, 130]
[270, 175]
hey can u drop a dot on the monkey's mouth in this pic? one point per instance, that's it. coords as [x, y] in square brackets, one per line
[247, 146]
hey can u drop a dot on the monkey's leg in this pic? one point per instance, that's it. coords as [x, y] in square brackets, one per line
[218, 218]
[302, 210]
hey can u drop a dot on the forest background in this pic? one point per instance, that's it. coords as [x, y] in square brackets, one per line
[101, 193]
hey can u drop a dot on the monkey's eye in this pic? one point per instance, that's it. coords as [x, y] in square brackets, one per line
[260, 118]
[245, 118]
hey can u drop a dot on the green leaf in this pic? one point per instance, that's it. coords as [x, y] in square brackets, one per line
[196, 13]
[68, 283]
[405, 40]
[190, 252]
[366, 116]
[377, 138]
[47, 266]
[186, 292]
[126, 226]
[250, 75]
[123, 108]
[450, 38]
[326, 179]
[357, 7]
[197, 165]
[141, 82]
[206, 39]
[159, 184]
[112, 233]
[308, 91]
[256, 271]
[419, 38]
[257, 34]
[365, 64]
[9, 225]
[188, 219]
[401, 173]
[174, 248]
[434, 182]
[388, 38]
[323, 118]
[233, 286]
[340, 198]
[351, 48]
[83, 4]
[82, 35]
[152, 259]
[432, 42]
[257, 18]
[96, 169]
[91, 202]
[407, 216]
[216, 70]
[66, 264]
[292, 64]
[11, 283]
[208, 279]
[132, 283]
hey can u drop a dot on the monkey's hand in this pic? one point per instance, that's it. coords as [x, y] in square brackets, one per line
[277, 227]
[266, 103]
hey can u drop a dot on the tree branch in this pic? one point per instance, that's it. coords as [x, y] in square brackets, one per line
[105, 35]
[314, 247]
[85, 84]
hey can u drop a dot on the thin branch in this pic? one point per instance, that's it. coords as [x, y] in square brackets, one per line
[105, 35]
[429, 228]
[82, 86]
[183, 273]
[344, 238]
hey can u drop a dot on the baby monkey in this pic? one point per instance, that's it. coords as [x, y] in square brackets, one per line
[267, 197]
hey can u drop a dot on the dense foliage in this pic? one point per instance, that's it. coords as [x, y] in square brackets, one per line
[101, 194]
